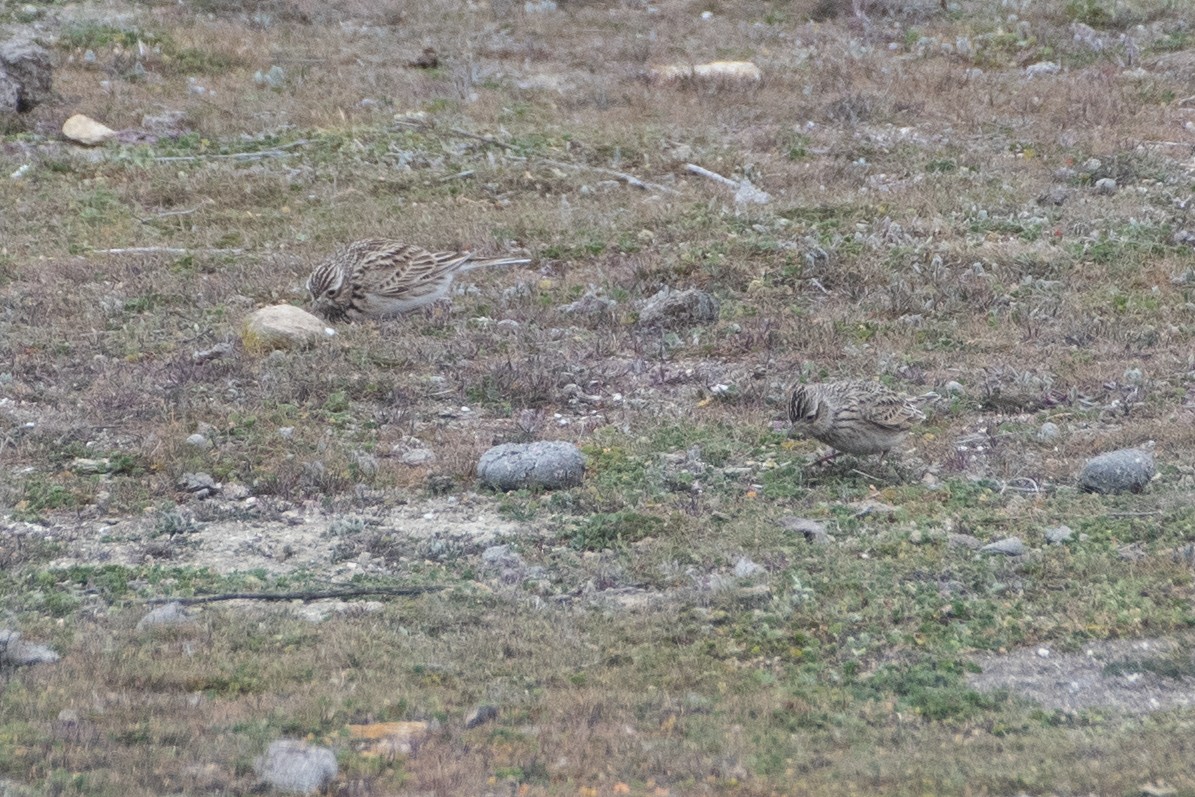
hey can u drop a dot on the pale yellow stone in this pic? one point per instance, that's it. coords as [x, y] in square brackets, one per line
[282, 326]
[86, 130]
[742, 72]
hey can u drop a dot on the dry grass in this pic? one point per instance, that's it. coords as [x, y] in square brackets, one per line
[912, 237]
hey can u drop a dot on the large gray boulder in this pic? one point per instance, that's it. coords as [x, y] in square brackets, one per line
[546, 465]
[1127, 470]
[669, 309]
[296, 767]
[25, 75]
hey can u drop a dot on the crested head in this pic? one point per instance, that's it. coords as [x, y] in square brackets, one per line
[805, 406]
[329, 288]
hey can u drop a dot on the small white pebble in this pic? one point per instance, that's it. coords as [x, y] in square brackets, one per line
[1043, 653]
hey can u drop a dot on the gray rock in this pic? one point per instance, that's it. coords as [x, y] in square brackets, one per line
[1057, 195]
[501, 556]
[171, 613]
[15, 652]
[1059, 534]
[1105, 186]
[200, 485]
[670, 308]
[814, 531]
[418, 456]
[964, 541]
[745, 568]
[1042, 68]
[25, 75]
[198, 441]
[589, 304]
[1048, 432]
[548, 465]
[480, 716]
[1009, 546]
[1127, 470]
[954, 388]
[214, 353]
[296, 767]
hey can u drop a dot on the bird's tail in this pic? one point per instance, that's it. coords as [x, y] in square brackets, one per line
[486, 262]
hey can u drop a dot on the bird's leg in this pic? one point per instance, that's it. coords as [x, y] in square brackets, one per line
[827, 458]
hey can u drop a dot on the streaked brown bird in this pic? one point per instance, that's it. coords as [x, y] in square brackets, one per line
[852, 417]
[381, 277]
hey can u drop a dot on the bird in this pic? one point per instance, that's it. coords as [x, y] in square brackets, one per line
[854, 417]
[383, 277]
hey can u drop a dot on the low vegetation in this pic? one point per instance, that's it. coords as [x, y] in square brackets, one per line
[937, 221]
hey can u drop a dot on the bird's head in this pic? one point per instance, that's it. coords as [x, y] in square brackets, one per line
[806, 409]
[330, 291]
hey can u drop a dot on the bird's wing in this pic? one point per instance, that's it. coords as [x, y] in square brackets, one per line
[395, 269]
[890, 410]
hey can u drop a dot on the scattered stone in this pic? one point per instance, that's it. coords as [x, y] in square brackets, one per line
[273, 78]
[418, 456]
[90, 466]
[964, 541]
[1042, 69]
[1009, 546]
[547, 465]
[214, 353]
[1065, 174]
[86, 130]
[1059, 534]
[814, 531]
[1057, 195]
[539, 6]
[670, 308]
[25, 75]
[198, 441]
[954, 388]
[1127, 470]
[15, 652]
[282, 326]
[428, 59]
[1184, 554]
[501, 556]
[481, 715]
[168, 614]
[296, 767]
[1048, 432]
[1183, 238]
[745, 568]
[589, 304]
[1105, 186]
[201, 485]
[388, 739]
[740, 73]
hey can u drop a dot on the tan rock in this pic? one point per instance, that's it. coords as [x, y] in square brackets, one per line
[282, 326]
[86, 130]
[387, 739]
[730, 72]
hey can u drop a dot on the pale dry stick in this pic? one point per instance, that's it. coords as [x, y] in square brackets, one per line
[276, 152]
[299, 596]
[629, 179]
[745, 190]
[165, 250]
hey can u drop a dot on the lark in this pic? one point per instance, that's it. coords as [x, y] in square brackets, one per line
[852, 417]
[381, 278]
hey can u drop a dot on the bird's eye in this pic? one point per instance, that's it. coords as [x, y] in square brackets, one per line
[330, 292]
